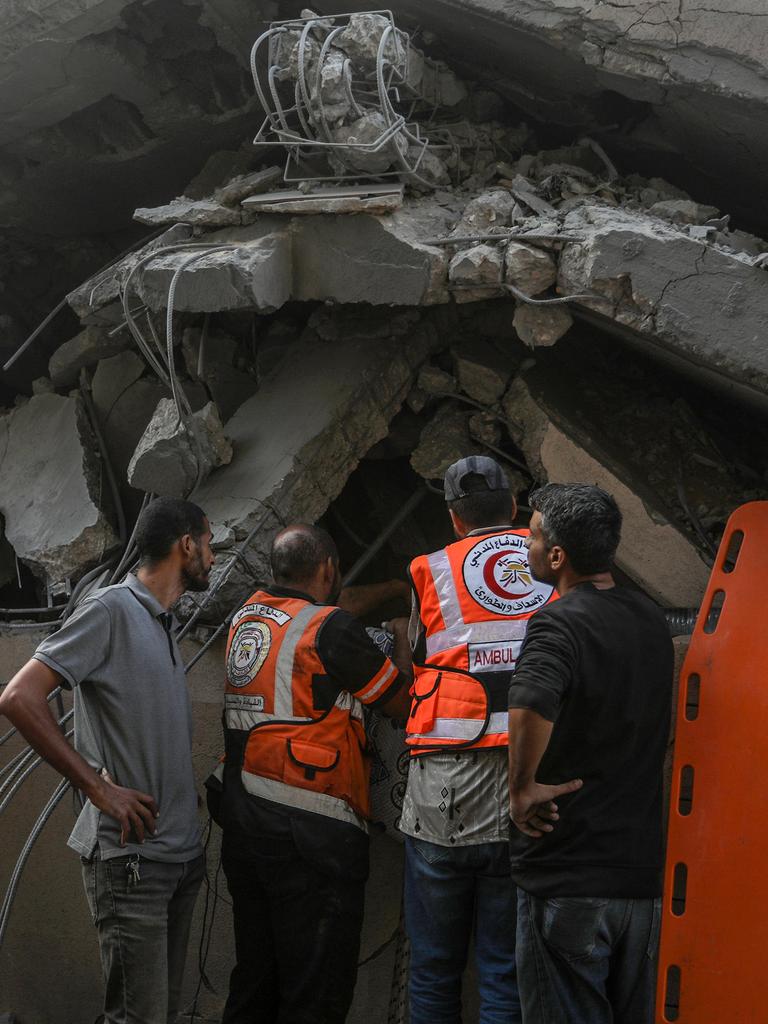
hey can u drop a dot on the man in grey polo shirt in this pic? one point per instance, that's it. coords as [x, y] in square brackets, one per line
[138, 832]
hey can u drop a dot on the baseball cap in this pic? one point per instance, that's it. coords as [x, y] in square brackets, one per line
[481, 465]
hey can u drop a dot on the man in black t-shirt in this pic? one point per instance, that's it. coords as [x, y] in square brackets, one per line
[588, 726]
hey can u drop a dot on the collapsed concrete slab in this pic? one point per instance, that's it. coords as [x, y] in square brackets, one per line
[687, 83]
[380, 260]
[124, 402]
[559, 446]
[97, 299]
[299, 438]
[172, 456]
[215, 366]
[695, 301]
[50, 488]
[85, 349]
[444, 439]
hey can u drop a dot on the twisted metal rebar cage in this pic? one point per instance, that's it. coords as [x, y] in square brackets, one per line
[298, 119]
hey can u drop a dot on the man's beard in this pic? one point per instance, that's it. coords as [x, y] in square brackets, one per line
[195, 577]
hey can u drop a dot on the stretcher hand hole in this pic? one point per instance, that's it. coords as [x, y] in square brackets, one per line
[685, 799]
[715, 611]
[692, 692]
[732, 551]
[672, 993]
[679, 889]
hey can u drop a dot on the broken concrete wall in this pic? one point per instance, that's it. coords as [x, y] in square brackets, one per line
[328, 401]
[51, 487]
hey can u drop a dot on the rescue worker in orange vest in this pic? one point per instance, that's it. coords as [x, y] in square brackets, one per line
[294, 784]
[472, 602]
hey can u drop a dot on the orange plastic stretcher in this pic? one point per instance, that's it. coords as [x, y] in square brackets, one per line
[713, 963]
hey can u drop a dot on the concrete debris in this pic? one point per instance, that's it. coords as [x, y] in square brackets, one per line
[416, 400]
[43, 386]
[320, 201]
[112, 379]
[221, 167]
[100, 293]
[439, 86]
[489, 212]
[299, 438]
[482, 371]
[683, 211]
[541, 325]
[701, 303]
[653, 552]
[85, 349]
[171, 456]
[332, 98]
[244, 185]
[382, 261]
[485, 428]
[475, 271]
[50, 463]
[366, 131]
[444, 439]
[531, 270]
[361, 40]
[228, 385]
[199, 213]
[253, 275]
[434, 381]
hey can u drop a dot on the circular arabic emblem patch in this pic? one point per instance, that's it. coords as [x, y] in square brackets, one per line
[249, 650]
[497, 576]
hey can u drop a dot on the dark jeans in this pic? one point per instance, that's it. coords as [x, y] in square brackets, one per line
[585, 960]
[297, 933]
[143, 916]
[449, 892]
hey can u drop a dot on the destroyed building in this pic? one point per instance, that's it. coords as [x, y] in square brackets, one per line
[293, 268]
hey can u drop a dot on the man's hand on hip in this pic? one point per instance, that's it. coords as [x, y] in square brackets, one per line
[533, 809]
[135, 811]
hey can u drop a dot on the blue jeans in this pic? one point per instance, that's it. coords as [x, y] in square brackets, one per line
[142, 910]
[587, 960]
[449, 892]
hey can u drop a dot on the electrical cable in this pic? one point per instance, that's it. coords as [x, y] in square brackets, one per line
[57, 309]
[111, 478]
[25, 775]
[50, 807]
[21, 759]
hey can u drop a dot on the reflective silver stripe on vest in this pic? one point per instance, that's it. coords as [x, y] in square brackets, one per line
[285, 658]
[442, 577]
[306, 799]
[370, 694]
[240, 718]
[464, 728]
[476, 632]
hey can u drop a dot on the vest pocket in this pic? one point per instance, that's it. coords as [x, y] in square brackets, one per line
[312, 757]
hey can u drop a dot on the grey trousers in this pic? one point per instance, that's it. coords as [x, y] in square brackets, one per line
[142, 910]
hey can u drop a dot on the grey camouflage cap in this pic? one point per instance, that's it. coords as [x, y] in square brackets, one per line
[488, 468]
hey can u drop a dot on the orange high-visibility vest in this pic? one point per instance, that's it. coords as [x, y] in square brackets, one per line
[475, 598]
[293, 754]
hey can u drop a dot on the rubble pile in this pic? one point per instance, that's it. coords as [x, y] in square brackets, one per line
[528, 300]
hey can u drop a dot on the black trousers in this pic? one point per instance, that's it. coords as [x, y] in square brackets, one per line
[297, 920]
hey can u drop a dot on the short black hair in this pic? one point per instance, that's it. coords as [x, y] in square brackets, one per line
[583, 520]
[162, 523]
[298, 550]
[482, 507]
